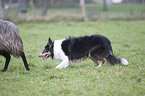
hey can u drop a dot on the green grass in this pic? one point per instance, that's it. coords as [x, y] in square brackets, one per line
[81, 78]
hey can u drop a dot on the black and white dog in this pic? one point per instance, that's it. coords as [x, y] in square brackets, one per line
[96, 47]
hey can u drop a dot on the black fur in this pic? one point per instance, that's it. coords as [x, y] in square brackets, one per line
[96, 46]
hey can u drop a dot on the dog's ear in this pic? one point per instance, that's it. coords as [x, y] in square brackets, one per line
[49, 41]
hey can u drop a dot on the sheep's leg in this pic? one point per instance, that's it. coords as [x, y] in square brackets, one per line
[8, 58]
[25, 61]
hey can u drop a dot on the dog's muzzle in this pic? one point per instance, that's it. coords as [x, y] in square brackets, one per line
[45, 55]
[40, 55]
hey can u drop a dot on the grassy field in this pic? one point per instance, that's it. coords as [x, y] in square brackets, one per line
[81, 78]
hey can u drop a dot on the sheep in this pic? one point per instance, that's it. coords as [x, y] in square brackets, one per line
[11, 43]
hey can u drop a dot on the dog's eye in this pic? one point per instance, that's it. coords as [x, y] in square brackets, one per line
[46, 47]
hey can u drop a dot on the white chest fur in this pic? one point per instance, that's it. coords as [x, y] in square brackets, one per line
[58, 52]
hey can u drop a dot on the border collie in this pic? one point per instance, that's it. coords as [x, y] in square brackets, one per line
[96, 47]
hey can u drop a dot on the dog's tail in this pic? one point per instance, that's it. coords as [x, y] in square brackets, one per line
[111, 59]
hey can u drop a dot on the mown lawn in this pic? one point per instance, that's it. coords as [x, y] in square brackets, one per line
[81, 78]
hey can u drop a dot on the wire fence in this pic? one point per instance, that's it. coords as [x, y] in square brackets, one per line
[71, 9]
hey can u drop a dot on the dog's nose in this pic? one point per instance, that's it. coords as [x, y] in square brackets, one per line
[40, 55]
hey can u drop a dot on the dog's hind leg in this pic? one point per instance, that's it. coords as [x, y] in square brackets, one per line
[95, 61]
[25, 61]
[97, 54]
[8, 58]
[101, 62]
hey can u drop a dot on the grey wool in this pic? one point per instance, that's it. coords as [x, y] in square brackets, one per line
[11, 43]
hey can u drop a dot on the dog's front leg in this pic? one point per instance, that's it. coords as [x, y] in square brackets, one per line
[63, 64]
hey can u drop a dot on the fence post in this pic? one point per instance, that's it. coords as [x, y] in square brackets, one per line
[45, 7]
[82, 3]
[7, 11]
[105, 5]
[19, 4]
[1, 10]
[32, 7]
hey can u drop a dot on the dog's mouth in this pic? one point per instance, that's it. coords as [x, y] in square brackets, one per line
[44, 55]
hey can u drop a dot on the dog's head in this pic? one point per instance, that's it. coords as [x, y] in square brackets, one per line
[47, 50]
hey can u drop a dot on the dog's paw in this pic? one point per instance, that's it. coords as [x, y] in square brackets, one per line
[60, 67]
[57, 67]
